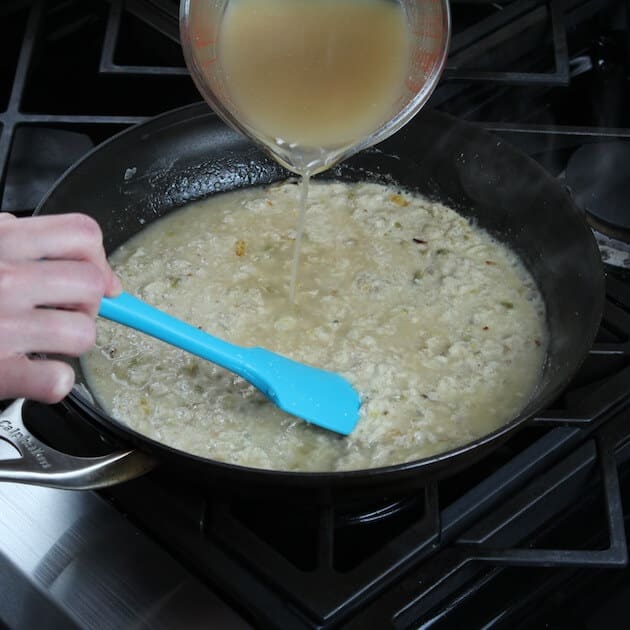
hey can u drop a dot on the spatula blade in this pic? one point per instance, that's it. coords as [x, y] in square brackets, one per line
[318, 396]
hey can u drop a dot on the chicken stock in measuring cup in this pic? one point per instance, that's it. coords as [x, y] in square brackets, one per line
[314, 81]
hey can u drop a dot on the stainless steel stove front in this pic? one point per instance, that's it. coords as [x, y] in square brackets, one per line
[71, 560]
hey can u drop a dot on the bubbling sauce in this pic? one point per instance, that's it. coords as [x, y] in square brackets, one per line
[439, 327]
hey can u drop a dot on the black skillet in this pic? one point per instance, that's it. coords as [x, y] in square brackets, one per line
[149, 170]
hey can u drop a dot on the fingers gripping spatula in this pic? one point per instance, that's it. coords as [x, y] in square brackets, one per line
[317, 396]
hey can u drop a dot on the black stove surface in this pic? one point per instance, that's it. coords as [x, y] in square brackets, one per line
[533, 536]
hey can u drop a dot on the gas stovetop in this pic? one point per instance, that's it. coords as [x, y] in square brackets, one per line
[533, 536]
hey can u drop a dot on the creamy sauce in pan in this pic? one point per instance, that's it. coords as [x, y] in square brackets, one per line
[440, 328]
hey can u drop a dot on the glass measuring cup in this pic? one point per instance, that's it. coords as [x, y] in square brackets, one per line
[203, 23]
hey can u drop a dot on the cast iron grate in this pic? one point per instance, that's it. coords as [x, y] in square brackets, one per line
[94, 68]
[505, 29]
[299, 567]
[63, 90]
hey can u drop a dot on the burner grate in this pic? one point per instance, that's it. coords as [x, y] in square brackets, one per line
[542, 499]
[494, 515]
[504, 29]
[138, 71]
[59, 87]
[160, 16]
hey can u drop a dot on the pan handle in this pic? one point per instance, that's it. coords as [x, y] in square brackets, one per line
[43, 465]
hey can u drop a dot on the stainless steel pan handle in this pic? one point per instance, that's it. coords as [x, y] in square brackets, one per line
[42, 465]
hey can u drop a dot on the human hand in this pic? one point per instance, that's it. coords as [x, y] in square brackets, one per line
[53, 274]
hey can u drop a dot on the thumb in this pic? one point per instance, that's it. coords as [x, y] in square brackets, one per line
[37, 379]
[114, 286]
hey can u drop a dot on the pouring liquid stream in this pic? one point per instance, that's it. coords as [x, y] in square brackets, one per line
[305, 179]
[314, 79]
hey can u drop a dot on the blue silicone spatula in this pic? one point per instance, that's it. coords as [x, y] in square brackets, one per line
[317, 396]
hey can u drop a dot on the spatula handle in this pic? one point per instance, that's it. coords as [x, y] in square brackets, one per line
[130, 311]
